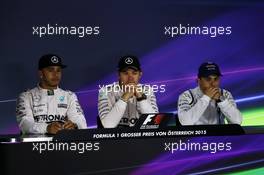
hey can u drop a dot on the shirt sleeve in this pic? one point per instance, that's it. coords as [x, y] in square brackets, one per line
[75, 112]
[24, 116]
[110, 114]
[229, 108]
[148, 105]
[190, 112]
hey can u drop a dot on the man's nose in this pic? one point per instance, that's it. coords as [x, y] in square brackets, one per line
[130, 77]
[213, 83]
[55, 73]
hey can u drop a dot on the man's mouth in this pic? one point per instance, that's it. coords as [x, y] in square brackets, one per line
[55, 80]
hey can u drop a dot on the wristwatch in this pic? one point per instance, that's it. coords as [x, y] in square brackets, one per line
[221, 99]
[143, 97]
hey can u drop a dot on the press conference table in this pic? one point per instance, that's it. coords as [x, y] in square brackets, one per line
[134, 151]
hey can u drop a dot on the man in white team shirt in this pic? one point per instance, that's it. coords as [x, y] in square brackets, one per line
[208, 104]
[121, 103]
[47, 108]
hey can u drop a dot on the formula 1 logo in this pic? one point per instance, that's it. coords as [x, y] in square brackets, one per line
[148, 119]
[152, 121]
[158, 119]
